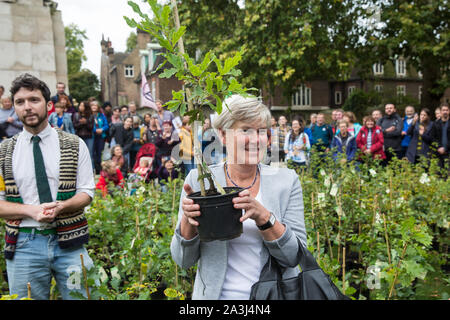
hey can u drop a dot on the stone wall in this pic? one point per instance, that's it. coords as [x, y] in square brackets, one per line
[31, 40]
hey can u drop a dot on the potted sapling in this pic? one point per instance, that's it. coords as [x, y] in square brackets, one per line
[207, 83]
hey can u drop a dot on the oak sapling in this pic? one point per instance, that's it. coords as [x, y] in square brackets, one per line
[207, 83]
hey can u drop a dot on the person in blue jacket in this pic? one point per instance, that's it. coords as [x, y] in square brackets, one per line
[60, 119]
[343, 142]
[407, 120]
[100, 131]
[321, 134]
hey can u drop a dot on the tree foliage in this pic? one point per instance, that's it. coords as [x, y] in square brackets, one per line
[74, 48]
[209, 24]
[131, 41]
[283, 42]
[84, 84]
[419, 31]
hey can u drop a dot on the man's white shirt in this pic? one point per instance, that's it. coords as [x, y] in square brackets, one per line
[25, 177]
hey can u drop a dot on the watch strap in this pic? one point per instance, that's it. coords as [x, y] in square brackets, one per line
[269, 223]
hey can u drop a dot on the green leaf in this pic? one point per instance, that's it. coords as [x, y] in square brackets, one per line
[206, 61]
[219, 66]
[165, 44]
[218, 104]
[165, 16]
[234, 85]
[168, 73]
[131, 22]
[177, 35]
[209, 85]
[135, 8]
[178, 95]
[183, 108]
[213, 107]
[175, 60]
[193, 68]
[219, 84]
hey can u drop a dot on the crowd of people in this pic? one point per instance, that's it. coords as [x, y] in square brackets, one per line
[43, 202]
[126, 146]
[380, 137]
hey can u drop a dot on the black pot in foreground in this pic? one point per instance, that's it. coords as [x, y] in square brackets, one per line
[219, 220]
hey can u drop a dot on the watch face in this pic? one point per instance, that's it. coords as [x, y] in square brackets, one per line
[272, 219]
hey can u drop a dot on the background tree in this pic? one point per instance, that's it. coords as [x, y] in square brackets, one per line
[74, 48]
[210, 24]
[84, 84]
[284, 42]
[419, 31]
[131, 41]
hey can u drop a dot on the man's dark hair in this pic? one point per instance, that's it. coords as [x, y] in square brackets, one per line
[31, 83]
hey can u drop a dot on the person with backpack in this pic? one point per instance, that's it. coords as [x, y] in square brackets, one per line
[322, 134]
[343, 142]
[391, 125]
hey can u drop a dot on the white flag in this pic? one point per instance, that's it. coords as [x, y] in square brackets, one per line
[146, 94]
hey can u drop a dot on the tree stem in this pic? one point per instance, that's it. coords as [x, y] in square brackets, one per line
[197, 152]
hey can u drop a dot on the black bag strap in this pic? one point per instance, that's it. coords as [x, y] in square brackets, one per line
[305, 258]
[273, 271]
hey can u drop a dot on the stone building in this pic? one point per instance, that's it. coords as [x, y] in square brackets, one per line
[120, 73]
[32, 40]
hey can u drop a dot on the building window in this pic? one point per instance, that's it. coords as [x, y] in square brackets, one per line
[302, 96]
[351, 89]
[129, 71]
[420, 93]
[379, 88]
[338, 97]
[400, 67]
[401, 90]
[378, 69]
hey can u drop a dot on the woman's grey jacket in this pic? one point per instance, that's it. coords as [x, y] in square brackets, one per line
[281, 193]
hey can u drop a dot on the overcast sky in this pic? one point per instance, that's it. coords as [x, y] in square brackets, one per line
[99, 17]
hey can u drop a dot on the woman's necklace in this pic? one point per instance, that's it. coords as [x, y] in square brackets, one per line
[228, 175]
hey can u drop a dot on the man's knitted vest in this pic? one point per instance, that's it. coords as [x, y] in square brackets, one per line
[71, 228]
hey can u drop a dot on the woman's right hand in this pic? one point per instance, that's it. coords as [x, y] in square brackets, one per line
[190, 212]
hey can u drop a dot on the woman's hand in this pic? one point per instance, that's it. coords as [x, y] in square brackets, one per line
[253, 209]
[190, 212]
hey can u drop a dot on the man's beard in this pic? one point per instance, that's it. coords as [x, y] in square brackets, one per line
[34, 123]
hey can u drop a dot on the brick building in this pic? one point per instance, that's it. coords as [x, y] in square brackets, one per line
[120, 74]
[396, 77]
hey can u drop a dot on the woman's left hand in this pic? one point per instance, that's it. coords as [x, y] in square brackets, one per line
[253, 209]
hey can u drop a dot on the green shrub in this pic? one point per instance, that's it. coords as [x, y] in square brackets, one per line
[380, 233]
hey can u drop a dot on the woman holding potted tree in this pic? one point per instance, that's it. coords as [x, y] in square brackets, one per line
[271, 201]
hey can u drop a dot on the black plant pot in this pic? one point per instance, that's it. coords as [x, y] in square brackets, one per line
[219, 220]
